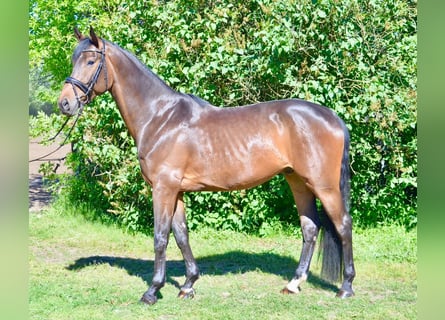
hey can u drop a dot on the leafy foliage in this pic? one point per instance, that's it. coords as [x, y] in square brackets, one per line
[356, 57]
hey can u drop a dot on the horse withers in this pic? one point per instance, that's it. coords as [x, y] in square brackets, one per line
[186, 144]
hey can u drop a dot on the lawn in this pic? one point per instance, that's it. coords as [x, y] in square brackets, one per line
[80, 269]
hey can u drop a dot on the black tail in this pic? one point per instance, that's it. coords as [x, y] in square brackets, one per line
[330, 244]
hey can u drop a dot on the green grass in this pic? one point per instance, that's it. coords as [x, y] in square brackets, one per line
[85, 270]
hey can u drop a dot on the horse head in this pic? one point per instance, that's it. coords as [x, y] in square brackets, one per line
[89, 76]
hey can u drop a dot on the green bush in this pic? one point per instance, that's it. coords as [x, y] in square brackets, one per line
[356, 57]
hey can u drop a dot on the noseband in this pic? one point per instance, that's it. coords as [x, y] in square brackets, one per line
[87, 88]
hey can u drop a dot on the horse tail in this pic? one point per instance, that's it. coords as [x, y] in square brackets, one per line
[345, 175]
[330, 243]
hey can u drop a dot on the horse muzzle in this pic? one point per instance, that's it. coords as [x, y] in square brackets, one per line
[69, 107]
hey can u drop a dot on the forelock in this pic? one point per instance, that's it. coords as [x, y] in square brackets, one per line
[84, 44]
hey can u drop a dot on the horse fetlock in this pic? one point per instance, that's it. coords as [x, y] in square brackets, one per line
[287, 291]
[149, 298]
[342, 294]
[294, 285]
[186, 293]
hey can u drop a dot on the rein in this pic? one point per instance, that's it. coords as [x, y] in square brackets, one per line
[43, 158]
[87, 89]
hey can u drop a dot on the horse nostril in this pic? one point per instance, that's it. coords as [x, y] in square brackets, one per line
[64, 104]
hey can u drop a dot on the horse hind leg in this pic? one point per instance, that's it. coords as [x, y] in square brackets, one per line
[310, 226]
[180, 232]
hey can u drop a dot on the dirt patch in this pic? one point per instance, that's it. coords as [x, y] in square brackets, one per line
[37, 195]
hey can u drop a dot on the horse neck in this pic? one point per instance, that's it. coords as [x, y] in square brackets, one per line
[136, 90]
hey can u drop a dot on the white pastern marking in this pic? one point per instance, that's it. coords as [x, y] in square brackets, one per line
[294, 284]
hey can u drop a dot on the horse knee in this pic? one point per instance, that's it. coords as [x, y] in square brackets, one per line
[160, 243]
[181, 240]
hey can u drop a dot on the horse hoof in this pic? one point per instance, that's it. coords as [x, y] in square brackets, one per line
[342, 294]
[186, 293]
[149, 299]
[287, 291]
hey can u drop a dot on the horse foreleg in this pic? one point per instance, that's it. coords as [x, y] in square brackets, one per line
[182, 240]
[164, 201]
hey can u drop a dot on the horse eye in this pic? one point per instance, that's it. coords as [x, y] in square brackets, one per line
[90, 62]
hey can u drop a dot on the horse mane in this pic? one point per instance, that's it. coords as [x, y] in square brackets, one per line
[199, 100]
[139, 63]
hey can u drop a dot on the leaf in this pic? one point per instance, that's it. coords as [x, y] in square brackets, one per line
[321, 14]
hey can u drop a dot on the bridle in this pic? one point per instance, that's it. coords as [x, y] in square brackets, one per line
[87, 88]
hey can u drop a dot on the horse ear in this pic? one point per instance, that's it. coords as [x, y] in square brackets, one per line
[94, 38]
[78, 34]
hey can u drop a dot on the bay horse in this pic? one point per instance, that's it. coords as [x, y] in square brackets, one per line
[185, 144]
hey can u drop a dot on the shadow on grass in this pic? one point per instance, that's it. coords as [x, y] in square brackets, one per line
[220, 264]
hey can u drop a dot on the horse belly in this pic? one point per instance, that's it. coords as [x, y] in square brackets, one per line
[233, 171]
